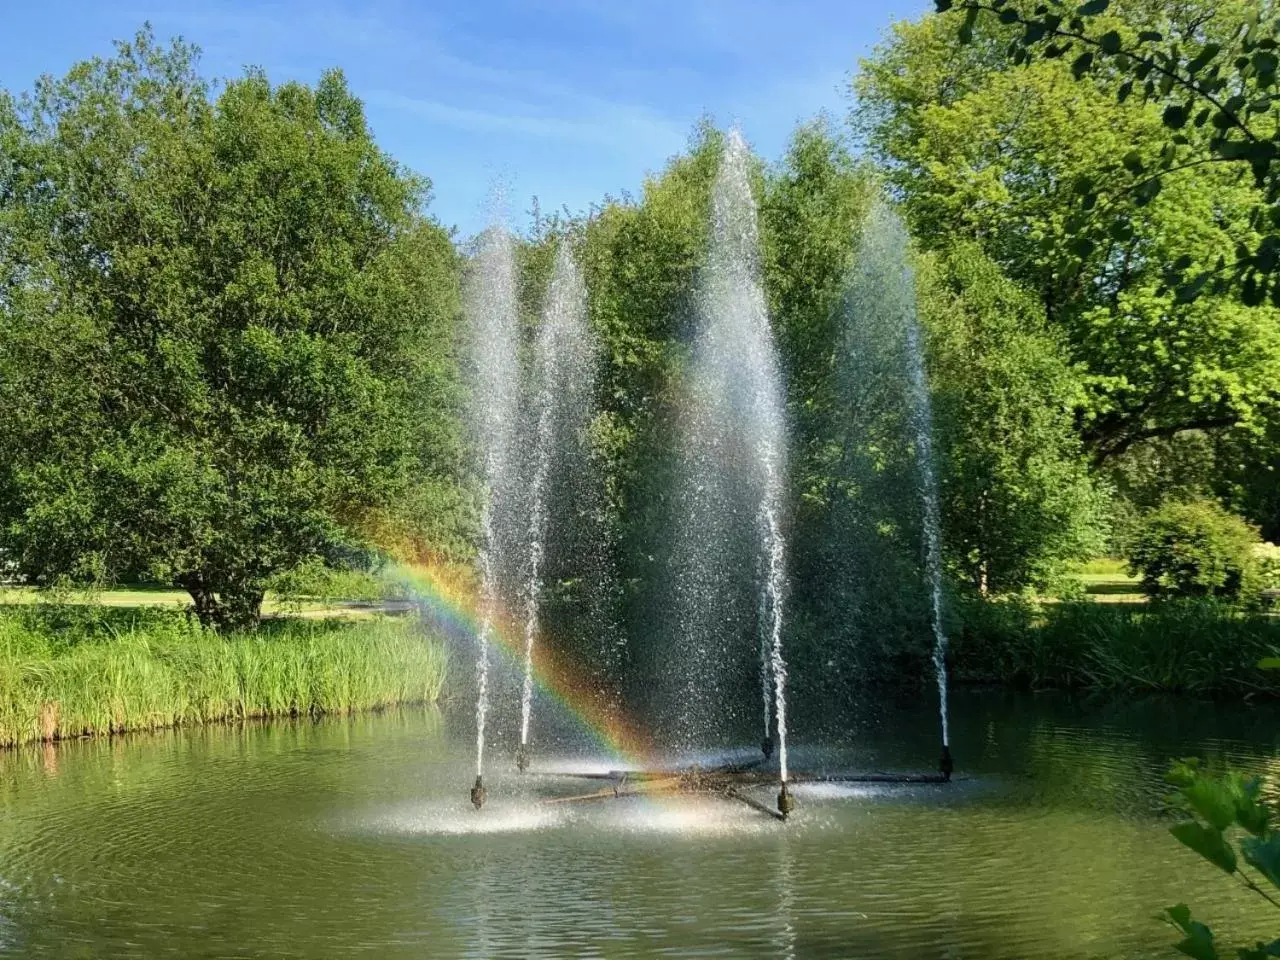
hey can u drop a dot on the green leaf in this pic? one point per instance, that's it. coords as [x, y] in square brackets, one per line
[1110, 42]
[1081, 247]
[1092, 8]
[1009, 15]
[1207, 53]
[1198, 939]
[1207, 842]
[966, 29]
[1150, 36]
[1080, 66]
[942, 6]
[1265, 63]
[1269, 663]
[1175, 116]
[1250, 814]
[1212, 800]
[1126, 88]
[1133, 161]
[1263, 856]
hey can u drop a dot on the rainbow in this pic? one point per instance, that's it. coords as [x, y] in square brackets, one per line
[448, 596]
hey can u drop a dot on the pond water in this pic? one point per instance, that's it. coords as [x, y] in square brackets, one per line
[353, 837]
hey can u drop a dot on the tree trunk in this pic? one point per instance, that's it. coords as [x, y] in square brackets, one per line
[229, 607]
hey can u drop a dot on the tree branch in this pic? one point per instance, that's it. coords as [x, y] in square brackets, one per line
[1151, 62]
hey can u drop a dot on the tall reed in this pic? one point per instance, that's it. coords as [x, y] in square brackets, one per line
[94, 673]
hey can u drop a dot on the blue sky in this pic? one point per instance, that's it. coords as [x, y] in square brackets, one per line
[566, 100]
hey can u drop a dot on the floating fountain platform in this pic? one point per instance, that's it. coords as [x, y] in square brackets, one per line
[725, 780]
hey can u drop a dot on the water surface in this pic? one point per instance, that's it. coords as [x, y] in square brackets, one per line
[352, 837]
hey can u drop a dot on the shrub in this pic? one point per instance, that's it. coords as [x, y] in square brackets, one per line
[1196, 548]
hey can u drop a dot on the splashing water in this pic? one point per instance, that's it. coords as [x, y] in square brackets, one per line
[564, 374]
[883, 304]
[738, 421]
[922, 423]
[491, 314]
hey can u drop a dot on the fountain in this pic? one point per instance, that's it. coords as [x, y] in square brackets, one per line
[735, 462]
[490, 303]
[564, 378]
[882, 305]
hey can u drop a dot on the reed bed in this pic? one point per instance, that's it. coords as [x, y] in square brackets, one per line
[1199, 647]
[93, 673]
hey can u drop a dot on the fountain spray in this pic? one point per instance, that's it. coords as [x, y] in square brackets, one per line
[883, 302]
[491, 313]
[564, 378]
[738, 380]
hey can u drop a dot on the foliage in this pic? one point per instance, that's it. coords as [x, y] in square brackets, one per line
[225, 343]
[982, 151]
[315, 580]
[68, 672]
[1230, 826]
[1018, 502]
[1196, 548]
[1210, 73]
[1201, 647]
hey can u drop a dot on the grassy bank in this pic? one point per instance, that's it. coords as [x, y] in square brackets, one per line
[1200, 647]
[69, 672]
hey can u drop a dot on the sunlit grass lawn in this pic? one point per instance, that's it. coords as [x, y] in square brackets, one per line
[272, 606]
[1107, 580]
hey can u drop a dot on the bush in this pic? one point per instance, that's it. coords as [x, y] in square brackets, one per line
[1196, 549]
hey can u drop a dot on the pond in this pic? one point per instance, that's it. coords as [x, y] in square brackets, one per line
[353, 837]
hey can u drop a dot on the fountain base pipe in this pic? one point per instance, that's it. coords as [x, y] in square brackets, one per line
[478, 794]
[522, 758]
[945, 764]
[786, 803]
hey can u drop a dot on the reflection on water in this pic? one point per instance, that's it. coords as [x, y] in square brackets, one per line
[353, 836]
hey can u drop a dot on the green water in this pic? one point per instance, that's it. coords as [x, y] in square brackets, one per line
[352, 837]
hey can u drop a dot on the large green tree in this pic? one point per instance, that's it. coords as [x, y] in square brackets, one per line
[981, 150]
[1210, 68]
[224, 319]
[1018, 504]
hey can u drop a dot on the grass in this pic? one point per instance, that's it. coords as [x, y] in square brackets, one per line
[75, 670]
[275, 605]
[1107, 580]
[1200, 647]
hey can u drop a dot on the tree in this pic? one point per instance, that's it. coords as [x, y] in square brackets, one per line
[1210, 70]
[980, 150]
[222, 319]
[1018, 502]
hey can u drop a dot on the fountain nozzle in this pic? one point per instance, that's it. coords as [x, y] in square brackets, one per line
[785, 801]
[477, 794]
[766, 747]
[946, 765]
[522, 758]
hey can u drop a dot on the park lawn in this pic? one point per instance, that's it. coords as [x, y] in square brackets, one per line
[1107, 580]
[140, 597]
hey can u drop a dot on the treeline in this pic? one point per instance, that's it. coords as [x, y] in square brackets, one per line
[228, 341]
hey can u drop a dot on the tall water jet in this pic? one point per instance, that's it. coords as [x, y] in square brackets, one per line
[564, 367]
[882, 305]
[736, 463]
[491, 315]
